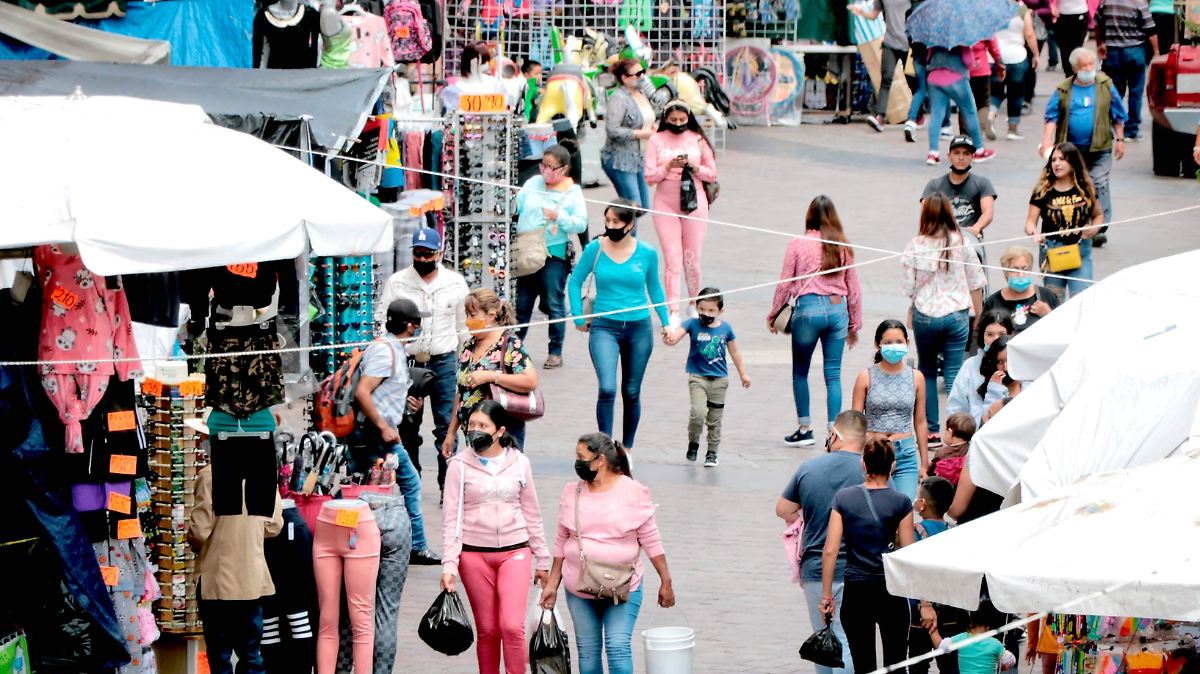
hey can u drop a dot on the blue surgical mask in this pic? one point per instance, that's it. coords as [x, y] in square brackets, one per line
[1085, 76]
[1020, 283]
[893, 353]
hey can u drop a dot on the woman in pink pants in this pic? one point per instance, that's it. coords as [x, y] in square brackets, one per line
[679, 142]
[491, 533]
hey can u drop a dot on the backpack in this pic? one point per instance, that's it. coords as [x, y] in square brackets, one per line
[432, 11]
[333, 405]
[408, 30]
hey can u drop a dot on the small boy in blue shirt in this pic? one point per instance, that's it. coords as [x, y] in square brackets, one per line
[708, 373]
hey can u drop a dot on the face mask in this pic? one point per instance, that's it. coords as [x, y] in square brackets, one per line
[675, 128]
[476, 324]
[615, 234]
[960, 171]
[1020, 283]
[707, 320]
[893, 353]
[584, 470]
[424, 267]
[479, 440]
[1085, 76]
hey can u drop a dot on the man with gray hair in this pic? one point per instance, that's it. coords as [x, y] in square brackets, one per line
[1086, 109]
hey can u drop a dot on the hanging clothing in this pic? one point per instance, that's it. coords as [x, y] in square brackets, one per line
[251, 284]
[290, 43]
[414, 146]
[289, 642]
[154, 299]
[128, 556]
[369, 43]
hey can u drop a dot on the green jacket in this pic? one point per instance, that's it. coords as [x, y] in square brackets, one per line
[1102, 130]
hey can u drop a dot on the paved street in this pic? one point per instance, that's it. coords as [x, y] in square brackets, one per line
[718, 525]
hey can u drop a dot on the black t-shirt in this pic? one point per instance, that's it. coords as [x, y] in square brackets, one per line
[289, 46]
[1061, 210]
[865, 538]
[1022, 317]
[965, 197]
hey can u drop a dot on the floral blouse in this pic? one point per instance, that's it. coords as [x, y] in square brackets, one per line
[506, 356]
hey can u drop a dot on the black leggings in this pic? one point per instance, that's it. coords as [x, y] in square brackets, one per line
[865, 604]
[1070, 31]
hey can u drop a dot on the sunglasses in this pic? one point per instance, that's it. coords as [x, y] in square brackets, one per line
[639, 73]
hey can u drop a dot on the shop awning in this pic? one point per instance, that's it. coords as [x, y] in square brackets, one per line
[78, 43]
[339, 101]
[73, 9]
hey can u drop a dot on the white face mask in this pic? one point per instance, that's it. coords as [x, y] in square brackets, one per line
[1085, 76]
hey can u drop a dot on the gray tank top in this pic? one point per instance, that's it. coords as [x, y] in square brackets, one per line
[890, 400]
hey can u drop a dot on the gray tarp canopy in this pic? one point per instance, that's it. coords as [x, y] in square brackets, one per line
[338, 101]
[78, 43]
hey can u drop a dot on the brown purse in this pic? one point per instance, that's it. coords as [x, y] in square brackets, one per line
[603, 580]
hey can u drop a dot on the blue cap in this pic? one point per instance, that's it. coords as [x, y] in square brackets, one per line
[427, 238]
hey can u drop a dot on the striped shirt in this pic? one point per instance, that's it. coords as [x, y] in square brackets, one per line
[387, 360]
[1123, 23]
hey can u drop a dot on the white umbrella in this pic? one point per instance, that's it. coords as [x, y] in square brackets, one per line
[145, 186]
[1125, 543]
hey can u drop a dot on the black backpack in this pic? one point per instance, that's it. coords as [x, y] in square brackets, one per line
[432, 11]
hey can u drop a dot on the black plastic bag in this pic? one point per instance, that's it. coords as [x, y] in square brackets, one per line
[688, 201]
[446, 626]
[548, 649]
[823, 648]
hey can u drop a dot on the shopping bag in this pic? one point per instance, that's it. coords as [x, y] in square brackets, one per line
[446, 626]
[823, 648]
[548, 649]
[688, 200]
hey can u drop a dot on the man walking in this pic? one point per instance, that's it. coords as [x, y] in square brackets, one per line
[439, 292]
[810, 494]
[895, 50]
[972, 195]
[1123, 27]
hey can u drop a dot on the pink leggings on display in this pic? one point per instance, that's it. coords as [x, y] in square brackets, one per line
[334, 562]
[497, 585]
[681, 238]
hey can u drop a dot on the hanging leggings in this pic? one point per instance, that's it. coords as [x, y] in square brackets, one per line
[289, 616]
[681, 238]
[396, 533]
[349, 555]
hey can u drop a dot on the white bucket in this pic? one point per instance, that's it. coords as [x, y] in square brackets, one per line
[669, 649]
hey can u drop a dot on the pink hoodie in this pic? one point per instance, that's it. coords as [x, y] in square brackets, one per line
[498, 510]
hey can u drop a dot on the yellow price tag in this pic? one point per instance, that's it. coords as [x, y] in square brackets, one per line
[482, 103]
[190, 388]
[347, 518]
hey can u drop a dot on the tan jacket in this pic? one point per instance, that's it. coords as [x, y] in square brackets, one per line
[230, 548]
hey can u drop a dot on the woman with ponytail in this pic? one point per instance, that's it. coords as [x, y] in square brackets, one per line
[615, 517]
[828, 308]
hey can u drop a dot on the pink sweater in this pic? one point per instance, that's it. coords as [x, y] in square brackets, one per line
[617, 526]
[498, 510]
[804, 257]
[665, 146]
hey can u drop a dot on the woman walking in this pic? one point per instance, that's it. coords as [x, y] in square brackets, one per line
[680, 144]
[553, 203]
[628, 120]
[605, 519]
[1019, 56]
[1065, 201]
[943, 278]
[890, 394]
[948, 79]
[827, 309]
[491, 526]
[625, 273]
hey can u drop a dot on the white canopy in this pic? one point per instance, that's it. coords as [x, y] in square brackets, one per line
[1125, 543]
[146, 186]
[79, 43]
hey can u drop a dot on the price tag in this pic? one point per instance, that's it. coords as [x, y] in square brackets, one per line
[482, 103]
[122, 464]
[347, 518]
[122, 421]
[111, 575]
[402, 32]
[64, 298]
[245, 269]
[119, 503]
[151, 387]
[190, 388]
[130, 528]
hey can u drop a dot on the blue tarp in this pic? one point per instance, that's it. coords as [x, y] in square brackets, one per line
[213, 33]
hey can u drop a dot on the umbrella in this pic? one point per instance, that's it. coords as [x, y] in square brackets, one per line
[958, 23]
[1124, 543]
[145, 186]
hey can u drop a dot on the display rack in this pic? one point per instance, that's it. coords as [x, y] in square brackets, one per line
[344, 292]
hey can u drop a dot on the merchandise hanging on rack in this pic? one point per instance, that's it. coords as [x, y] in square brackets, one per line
[1088, 644]
[341, 301]
[413, 210]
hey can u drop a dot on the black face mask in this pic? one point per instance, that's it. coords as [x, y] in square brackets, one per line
[960, 172]
[425, 267]
[675, 128]
[707, 320]
[479, 440]
[615, 233]
[584, 471]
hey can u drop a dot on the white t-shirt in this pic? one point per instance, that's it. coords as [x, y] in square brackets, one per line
[1011, 39]
[1072, 7]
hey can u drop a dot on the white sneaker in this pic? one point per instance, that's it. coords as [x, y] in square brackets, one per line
[947, 132]
[910, 131]
[1013, 135]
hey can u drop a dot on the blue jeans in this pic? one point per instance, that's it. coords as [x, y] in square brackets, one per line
[1127, 68]
[233, 627]
[812, 597]
[945, 335]
[906, 474]
[441, 401]
[939, 103]
[548, 284]
[1014, 85]
[629, 185]
[1099, 166]
[409, 481]
[601, 623]
[817, 318]
[922, 90]
[1071, 287]
[631, 342]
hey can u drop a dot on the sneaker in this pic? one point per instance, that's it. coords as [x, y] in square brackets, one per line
[1099, 240]
[934, 440]
[424, 557]
[1051, 66]
[693, 450]
[1013, 135]
[984, 154]
[990, 129]
[710, 460]
[876, 122]
[553, 361]
[932, 158]
[801, 438]
[910, 131]
[947, 131]
[1132, 138]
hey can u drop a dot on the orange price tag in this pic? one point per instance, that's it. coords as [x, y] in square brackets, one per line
[347, 518]
[130, 528]
[403, 31]
[64, 297]
[191, 388]
[122, 421]
[119, 503]
[111, 575]
[246, 269]
[122, 464]
[151, 387]
[482, 103]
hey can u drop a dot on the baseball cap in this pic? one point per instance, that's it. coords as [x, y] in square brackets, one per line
[402, 312]
[427, 238]
[962, 141]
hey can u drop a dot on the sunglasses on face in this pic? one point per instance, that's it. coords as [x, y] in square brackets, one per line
[639, 73]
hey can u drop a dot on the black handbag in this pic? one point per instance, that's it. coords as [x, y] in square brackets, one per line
[688, 200]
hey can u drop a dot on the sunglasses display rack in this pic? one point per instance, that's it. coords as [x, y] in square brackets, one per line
[480, 152]
[341, 301]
